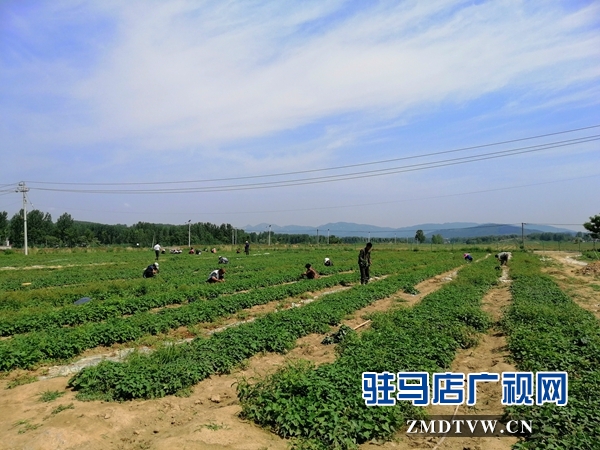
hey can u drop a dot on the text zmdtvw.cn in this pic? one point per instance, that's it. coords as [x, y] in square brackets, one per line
[378, 388]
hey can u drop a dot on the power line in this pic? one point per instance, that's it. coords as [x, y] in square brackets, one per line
[343, 177]
[412, 199]
[325, 169]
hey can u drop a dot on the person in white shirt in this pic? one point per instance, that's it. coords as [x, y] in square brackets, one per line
[157, 249]
[216, 276]
[503, 258]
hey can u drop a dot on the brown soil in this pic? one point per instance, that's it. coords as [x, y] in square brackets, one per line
[591, 269]
[208, 419]
[581, 283]
[490, 355]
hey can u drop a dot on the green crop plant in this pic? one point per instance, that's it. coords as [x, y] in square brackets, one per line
[148, 376]
[323, 407]
[547, 331]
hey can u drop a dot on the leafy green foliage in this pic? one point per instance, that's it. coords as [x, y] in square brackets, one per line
[323, 406]
[49, 396]
[547, 331]
[166, 371]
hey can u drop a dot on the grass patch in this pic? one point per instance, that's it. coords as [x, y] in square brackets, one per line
[213, 426]
[49, 396]
[20, 380]
[184, 392]
[61, 408]
[26, 426]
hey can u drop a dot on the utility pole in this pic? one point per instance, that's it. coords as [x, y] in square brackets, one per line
[523, 235]
[317, 236]
[327, 236]
[24, 189]
[269, 235]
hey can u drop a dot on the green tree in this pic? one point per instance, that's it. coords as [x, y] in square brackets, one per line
[15, 229]
[65, 229]
[3, 226]
[420, 236]
[39, 225]
[593, 226]
[437, 239]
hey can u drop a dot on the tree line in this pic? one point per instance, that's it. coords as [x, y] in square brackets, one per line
[67, 232]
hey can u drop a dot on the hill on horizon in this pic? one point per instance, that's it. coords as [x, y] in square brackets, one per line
[447, 230]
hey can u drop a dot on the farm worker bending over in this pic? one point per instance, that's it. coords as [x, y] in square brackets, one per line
[364, 262]
[157, 249]
[468, 257]
[310, 273]
[223, 260]
[503, 257]
[328, 262]
[151, 270]
[216, 276]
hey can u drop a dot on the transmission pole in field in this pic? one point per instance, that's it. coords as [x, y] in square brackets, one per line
[523, 234]
[24, 189]
[317, 236]
[327, 236]
[269, 235]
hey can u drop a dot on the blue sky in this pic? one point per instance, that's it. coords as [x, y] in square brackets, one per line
[176, 91]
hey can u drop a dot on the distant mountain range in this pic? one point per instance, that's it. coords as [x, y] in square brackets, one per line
[447, 230]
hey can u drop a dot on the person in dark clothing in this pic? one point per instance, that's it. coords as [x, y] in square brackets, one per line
[364, 262]
[468, 257]
[310, 273]
[247, 248]
[151, 270]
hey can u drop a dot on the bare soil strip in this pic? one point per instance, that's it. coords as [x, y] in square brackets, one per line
[490, 355]
[118, 352]
[208, 419]
[583, 289]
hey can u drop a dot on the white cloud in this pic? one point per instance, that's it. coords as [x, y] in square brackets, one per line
[176, 74]
[155, 85]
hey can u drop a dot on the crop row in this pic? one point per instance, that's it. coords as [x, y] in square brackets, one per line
[173, 368]
[323, 407]
[83, 282]
[191, 289]
[547, 331]
[130, 266]
[23, 351]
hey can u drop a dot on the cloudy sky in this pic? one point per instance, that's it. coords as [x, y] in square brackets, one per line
[388, 113]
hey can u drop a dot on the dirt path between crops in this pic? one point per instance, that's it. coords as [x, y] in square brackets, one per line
[578, 279]
[490, 355]
[208, 419]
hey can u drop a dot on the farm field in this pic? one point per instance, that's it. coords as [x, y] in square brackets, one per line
[220, 365]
